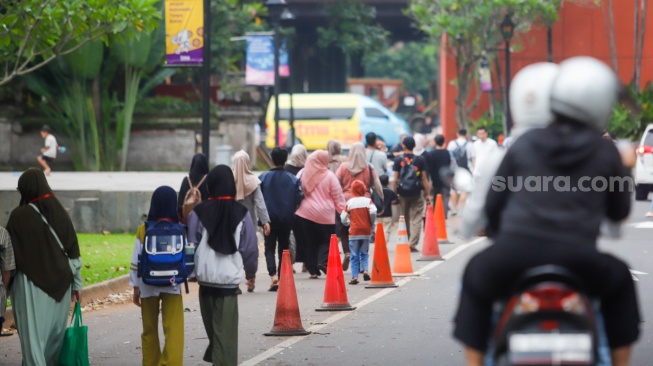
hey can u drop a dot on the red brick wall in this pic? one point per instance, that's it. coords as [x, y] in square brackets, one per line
[580, 31]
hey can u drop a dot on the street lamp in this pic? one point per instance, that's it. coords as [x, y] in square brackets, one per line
[279, 11]
[507, 29]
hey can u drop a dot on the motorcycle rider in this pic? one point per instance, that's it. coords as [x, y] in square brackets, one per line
[530, 92]
[552, 217]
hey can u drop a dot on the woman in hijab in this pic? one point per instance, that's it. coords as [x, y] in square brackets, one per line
[249, 194]
[335, 155]
[355, 168]
[47, 277]
[226, 252]
[151, 298]
[297, 159]
[314, 219]
[199, 167]
[420, 144]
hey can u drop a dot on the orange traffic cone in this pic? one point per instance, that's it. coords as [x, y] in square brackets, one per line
[440, 223]
[430, 248]
[287, 321]
[381, 276]
[335, 292]
[403, 265]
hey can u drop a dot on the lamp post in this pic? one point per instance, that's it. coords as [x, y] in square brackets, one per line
[507, 29]
[206, 79]
[278, 10]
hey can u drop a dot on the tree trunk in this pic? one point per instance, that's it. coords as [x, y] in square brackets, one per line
[640, 31]
[609, 29]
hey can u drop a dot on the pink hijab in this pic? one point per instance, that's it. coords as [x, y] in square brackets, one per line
[315, 170]
[246, 182]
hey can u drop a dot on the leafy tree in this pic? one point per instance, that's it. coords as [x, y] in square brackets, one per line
[352, 30]
[634, 113]
[412, 62]
[232, 18]
[99, 121]
[473, 26]
[35, 32]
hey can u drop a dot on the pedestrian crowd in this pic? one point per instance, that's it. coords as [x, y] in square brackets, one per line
[298, 204]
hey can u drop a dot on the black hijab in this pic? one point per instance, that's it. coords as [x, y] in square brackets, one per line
[221, 214]
[37, 252]
[162, 205]
[199, 167]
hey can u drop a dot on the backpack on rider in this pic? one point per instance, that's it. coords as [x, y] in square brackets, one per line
[409, 184]
[460, 154]
[162, 261]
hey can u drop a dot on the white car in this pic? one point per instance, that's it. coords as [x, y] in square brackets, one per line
[644, 165]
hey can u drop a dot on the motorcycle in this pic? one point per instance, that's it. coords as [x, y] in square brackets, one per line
[547, 320]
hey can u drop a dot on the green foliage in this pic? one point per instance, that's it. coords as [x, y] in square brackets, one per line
[473, 26]
[232, 18]
[351, 29]
[629, 120]
[168, 106]
[35, 32]
[493, 124]
[105, 256]
[413, 62]
[99, 122]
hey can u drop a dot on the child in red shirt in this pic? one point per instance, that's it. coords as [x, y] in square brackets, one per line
[359, 214]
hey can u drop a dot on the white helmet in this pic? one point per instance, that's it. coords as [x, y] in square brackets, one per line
[530, 96]
[586, 90]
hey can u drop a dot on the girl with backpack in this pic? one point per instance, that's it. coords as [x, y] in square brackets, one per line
[149, 298]
[226, 253]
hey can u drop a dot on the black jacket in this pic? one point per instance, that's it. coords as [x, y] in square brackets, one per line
[570, 162]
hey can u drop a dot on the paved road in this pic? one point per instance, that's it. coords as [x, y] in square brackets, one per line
[409, 325]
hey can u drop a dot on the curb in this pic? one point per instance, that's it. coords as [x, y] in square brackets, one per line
[90, 293]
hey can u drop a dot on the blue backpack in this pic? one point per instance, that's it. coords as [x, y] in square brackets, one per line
[162, 261]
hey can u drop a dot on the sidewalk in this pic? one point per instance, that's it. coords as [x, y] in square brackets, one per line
[101, 181]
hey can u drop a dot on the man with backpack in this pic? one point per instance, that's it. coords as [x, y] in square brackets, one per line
[411, 184]
[282, 194]
[462, 151]
[438, 160]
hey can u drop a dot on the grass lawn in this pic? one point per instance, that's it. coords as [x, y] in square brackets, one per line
[105, 256]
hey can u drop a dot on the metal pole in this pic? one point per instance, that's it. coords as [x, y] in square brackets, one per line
[508, 117]
[206, 79]
[292, 107]
[549, 43]
[276, 83]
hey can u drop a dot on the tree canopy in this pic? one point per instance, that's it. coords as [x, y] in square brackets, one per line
[473, 26]
[412, 62]
[35, 32]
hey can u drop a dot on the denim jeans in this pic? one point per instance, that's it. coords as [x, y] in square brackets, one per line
[359, 250]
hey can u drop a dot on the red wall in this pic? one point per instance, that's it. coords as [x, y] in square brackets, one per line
[580, 30]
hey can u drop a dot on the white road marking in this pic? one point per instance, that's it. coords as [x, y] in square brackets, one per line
[315, 328]
[642, 225]
[635, 272]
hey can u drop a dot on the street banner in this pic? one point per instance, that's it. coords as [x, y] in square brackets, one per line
[184, 21]
[484, 74]
[260, 60]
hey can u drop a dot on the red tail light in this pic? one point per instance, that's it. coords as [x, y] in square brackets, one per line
[550, 298]
[644, 150]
